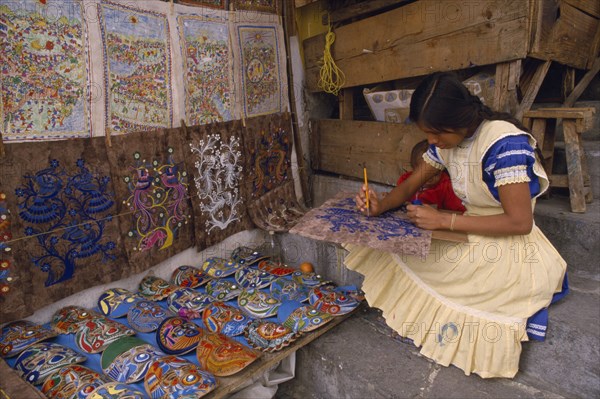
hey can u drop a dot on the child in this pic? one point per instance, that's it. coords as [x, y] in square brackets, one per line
[437, 190]
[467, 303]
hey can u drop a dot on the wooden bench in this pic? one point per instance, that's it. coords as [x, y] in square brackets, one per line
[542, 123]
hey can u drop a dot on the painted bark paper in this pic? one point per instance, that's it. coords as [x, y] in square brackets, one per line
[137, 57]
[338, 220]
[65, 233]
[220, 4]
[218, 198]
[151, 186]
[208, 70]
[268, 149]
[43, 71]
[262, 78]
[271, 6]
[278, 210]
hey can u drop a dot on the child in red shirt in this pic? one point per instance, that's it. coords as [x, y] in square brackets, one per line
[437, 190]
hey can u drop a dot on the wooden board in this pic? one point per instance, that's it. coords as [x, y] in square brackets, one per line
[228, 385]
[565, 33]
[344, 146]
[424, 37]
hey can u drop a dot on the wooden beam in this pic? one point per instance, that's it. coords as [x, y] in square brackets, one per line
[574, 169]
[358, 10]
[505, 91]
[583, 83]
[346, 99]
[344, 146]
[423, 37]
[532, 89]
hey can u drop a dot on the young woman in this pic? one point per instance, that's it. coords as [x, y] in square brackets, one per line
[467, 304]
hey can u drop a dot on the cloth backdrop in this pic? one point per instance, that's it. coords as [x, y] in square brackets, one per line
[151, 186]
[65, 236]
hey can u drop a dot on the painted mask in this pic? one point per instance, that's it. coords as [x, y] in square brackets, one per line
[172, 377]
[116, 390]
[246, 256]
[334, 301]
[222, 318]
[257, 304]
[189, 277]
[219, 267]
[70, 318]
[115, 302]
[155, 288]
[96, 334]
[268, 336]
[275, 268]
[72, 382]
[189, 299]
[223, 356]
[284, 289]
[127, 359]
[308, 279]
[19, 335]
[249, 278]
[146, 316]
[40, 360]
[223, 290]
[177, 336]
[305, 319]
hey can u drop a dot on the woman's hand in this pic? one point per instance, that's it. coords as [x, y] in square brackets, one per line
[361, 202]
[425, 217]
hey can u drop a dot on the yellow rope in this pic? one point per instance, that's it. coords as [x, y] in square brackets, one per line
[331, 78]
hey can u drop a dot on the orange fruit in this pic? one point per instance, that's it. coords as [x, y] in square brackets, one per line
[307, 267]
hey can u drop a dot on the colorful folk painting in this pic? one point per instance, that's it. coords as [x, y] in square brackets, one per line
[220, 4]
[271, 6]
[278, 210]
[268, 147]
[43, 71]
[216, 160]
[151, 184]
[63, 218]
[137, 57]
[261, 70]
[338, 220]
[208, 70]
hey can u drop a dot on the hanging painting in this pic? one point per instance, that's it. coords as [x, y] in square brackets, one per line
[271, 6]
[151, 186]
[278, 210]
[208, 69]
[64, 225]
[261, 68]
[268, 148]
[216, 160]
[220, 4]
[137, 63]
[43, 72]
[338, 220]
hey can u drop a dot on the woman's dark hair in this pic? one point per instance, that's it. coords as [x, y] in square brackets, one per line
[442, 102]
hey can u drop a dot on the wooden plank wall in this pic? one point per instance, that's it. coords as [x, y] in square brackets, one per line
[423, 37]
[344, 146]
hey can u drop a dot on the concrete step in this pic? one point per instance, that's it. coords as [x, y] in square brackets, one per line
[361, 358]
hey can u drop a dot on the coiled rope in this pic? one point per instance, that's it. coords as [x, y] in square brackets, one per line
[331, 78]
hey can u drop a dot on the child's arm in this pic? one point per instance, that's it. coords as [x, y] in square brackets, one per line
[399, 195]
[517, 218]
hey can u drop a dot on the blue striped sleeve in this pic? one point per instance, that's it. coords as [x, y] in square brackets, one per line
[433, 159]
[510, 160]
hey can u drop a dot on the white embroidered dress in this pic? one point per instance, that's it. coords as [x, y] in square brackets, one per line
[467, 304]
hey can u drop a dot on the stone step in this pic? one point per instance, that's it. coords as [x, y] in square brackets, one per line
[361, 358]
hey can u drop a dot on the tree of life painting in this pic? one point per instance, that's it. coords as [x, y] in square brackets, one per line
[260, 65]
[137, 67]
[42, 70]
[207, 69]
